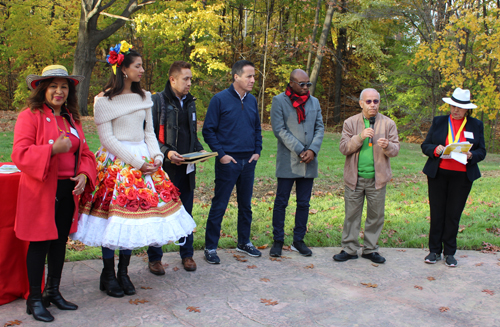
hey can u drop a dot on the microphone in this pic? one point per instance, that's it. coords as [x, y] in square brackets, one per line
[372, 122]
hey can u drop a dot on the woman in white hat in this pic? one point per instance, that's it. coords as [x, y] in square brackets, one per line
[134, 204]
[56, 166]
[449, 180]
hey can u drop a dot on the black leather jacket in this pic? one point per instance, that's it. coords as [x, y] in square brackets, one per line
[171, 128]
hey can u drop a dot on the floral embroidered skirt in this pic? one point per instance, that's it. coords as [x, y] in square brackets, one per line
[128, 209]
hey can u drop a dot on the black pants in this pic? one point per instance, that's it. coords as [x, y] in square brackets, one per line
[448, 193]
[54, 250]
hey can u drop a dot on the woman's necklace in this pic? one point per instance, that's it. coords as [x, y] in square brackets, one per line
[66, 131]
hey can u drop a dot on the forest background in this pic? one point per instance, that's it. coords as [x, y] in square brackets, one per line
[413, 51]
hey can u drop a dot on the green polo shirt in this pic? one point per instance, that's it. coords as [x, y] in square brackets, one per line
[366, 168]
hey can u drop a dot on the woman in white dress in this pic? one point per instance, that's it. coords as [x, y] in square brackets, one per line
[134, 203]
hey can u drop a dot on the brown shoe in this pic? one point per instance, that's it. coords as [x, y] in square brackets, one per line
[189, 264]
[156, 268]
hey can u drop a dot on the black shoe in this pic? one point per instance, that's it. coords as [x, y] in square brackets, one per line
[122, 275]
[276, 249]
[108, 281]
[450, 261]
[34, 306]
[301, 247]
[51, 294]
[212, 257]
[249, 249]
[432, 257]
[374, 257]
[344, 256]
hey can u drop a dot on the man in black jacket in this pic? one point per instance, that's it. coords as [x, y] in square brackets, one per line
[174, 119]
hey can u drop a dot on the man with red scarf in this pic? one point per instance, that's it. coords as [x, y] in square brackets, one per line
[298, 125]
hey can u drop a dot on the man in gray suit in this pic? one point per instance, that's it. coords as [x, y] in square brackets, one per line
[298, 125]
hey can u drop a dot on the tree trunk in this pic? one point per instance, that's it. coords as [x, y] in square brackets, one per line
[89, 38]
[313, 37]
[339, 67]
[321, 45]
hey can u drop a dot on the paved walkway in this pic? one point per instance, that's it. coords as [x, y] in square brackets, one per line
[300, 291]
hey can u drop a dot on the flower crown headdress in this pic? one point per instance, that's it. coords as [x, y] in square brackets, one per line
[117, 54]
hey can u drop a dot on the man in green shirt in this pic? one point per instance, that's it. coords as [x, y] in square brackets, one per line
[366, 172]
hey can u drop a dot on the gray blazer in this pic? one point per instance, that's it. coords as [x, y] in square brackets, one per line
[294, 138]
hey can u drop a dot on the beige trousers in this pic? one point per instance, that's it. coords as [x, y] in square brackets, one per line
[354, 201]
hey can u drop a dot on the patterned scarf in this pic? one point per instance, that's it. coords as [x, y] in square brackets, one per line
[298, 102]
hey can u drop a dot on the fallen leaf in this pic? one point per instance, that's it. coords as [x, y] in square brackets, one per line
[287, 248]
[444, 309]
[252, 267]
[285, 257]
[193, 309]
[313, 211]
[175, 269]
[146, 288]
[418, 287]
[274, 259]
[311, 266]
[464, 256]
[368, 285]
[12, 323]
[262, 247]
[375, 265]
[137, 301]
[240, 258]
[268, 302]
[478, 264]
[402, 250]
[490, 292]
[265, 280]
[431, 278]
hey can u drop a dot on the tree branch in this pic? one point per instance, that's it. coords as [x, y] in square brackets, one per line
[114, 16]
[109, 4]
[94, 11]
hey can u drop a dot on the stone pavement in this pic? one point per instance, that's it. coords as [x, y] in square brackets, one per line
[305, 291]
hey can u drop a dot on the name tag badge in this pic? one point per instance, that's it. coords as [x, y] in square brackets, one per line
[189, 168]
[194, 116]
[74, 132]
[469, 135]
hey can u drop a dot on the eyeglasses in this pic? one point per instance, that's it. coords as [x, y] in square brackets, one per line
[370, 101]
[302, 84]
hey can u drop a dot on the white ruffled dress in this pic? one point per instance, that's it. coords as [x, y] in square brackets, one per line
[129, 209]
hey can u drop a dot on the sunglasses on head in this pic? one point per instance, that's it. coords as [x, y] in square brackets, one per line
[302, 84]
[370, 101]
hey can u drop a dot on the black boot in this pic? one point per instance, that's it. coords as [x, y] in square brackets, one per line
[108, 279]
[34, 305]
[51, 294]
[122, 275]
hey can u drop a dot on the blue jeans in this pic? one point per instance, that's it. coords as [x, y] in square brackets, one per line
[303, 188]
[181, 181]
[227, 176]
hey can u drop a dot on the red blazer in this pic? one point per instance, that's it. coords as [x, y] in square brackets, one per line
[34, 134]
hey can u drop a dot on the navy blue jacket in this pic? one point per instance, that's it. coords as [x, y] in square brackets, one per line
[437, 136]
[232, 125]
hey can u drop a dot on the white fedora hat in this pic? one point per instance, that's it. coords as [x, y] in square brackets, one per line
[52, 71]
[460, 98]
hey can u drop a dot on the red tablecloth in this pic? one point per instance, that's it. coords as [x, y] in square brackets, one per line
[13, 274]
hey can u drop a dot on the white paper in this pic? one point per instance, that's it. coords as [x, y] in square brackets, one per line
[469, 135]
[74, 132]
[189, 168]
[460, 157]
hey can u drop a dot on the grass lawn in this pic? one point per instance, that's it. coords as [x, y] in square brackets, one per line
[407, 208]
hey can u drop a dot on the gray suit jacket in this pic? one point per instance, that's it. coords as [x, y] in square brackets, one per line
[293, 138]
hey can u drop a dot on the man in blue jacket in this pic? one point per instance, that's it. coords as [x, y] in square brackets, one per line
[232, 128]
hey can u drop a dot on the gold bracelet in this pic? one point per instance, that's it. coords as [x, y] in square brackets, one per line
[84, 176]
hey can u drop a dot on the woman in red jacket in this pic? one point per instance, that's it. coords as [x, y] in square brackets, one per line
[56, 166]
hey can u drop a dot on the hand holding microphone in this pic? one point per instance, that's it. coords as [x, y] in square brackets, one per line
[372, 123]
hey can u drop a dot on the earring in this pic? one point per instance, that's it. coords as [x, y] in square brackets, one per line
[126, 76]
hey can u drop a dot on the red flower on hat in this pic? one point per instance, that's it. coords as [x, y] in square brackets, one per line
[112, 58]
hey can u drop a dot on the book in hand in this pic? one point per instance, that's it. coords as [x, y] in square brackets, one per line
[195, 157]
[457, 151]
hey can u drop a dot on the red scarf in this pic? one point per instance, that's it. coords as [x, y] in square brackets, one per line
[298, 102]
